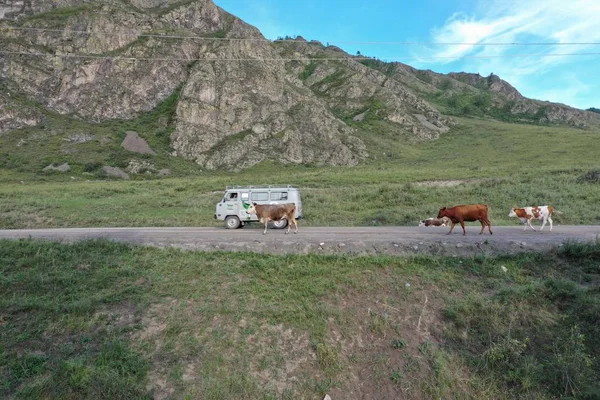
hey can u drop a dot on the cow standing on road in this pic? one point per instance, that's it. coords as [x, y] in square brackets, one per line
[470, 212]
[526, 214]
[275, 212]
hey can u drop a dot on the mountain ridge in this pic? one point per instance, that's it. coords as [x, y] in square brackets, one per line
[242, 99]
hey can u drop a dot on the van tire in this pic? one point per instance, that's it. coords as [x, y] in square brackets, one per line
[232, 222]
[281, 224]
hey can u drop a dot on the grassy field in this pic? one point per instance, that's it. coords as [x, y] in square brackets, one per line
[481, 161]
[106, 320]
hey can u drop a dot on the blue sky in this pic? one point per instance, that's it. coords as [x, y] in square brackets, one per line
[569, 79]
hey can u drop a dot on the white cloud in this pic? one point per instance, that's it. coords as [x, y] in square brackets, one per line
[572, 90]
[515, 21]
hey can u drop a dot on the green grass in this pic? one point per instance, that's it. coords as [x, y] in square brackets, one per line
[503, 165]
[104, 320]
[331, 197]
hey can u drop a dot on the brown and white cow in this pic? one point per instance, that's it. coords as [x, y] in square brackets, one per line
[469, 212]
[435, 222]
[275, 212]
[526, 214]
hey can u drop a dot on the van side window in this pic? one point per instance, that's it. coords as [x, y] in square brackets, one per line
[279, 196]
[260, 196]
[232, 196]
[245, 196]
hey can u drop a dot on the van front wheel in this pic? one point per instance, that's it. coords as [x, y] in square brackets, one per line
[232, 222]
[281, 224]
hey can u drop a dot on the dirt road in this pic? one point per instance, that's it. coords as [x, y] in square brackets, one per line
[328, 240]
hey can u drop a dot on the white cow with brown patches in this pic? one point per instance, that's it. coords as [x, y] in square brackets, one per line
[526, 214]
[444, 221]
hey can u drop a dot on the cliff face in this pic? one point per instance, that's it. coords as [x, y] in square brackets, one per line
[241, 101]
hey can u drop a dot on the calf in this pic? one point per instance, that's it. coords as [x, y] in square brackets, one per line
[470, 212]
[275, 212]
[526, 214]
[435, 222]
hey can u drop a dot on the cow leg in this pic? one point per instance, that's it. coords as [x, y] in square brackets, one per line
[531, 226]
[291, 222]
[489, 224]
[543, 223]
[550, 220]
[451, 228]
[462, 225]
[266, 222]
[483, 225]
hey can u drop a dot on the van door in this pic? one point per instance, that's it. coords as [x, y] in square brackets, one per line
[231, 203]
[245, 203]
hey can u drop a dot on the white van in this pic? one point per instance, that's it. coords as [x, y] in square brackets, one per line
[236, 200]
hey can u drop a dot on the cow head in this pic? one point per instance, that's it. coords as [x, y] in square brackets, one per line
[251, 209]
[512, 213]
[442, 212]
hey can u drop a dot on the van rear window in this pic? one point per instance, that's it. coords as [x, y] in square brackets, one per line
[260, 196]
[279, 196]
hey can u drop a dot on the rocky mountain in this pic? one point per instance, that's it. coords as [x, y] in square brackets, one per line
[240, 99]
[466, 94]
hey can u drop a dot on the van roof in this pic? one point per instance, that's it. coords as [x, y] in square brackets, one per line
[235, 187]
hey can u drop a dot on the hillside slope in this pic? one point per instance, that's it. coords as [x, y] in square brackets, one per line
[237, 99]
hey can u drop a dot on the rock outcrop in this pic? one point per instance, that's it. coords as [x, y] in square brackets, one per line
[134, 143]
[61, 168]
[115, 172]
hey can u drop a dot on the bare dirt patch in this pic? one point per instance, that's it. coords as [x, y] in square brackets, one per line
[281, 356]
[388, 340]
[117, 315]
[447, 183]
[151, 336]
[277, 357]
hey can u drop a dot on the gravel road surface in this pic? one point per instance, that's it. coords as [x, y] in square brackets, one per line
[329, 240]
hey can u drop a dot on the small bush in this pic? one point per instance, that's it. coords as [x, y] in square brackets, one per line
[92, 166]
[590, 177]
[308, 71]
[580, 250]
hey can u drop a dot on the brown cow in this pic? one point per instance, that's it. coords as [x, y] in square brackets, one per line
[275, 212]
[470, 212]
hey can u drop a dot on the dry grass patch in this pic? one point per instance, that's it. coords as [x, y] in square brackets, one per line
[193, 352]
